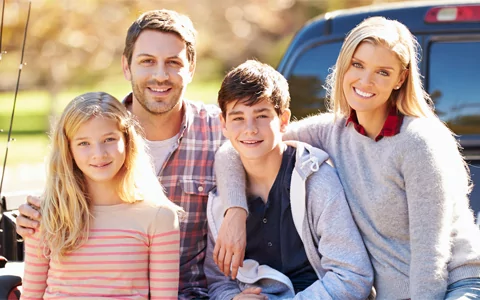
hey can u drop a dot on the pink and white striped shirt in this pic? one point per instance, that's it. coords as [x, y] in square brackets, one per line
[132, 252]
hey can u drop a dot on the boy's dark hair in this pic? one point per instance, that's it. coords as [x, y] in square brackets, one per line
[251, 83]
[162, 20]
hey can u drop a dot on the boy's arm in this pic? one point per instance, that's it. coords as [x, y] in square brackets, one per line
[219, 285]
[164, 256]
[342, 253]
[35, 271]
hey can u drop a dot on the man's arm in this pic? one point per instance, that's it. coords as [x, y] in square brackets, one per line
[29, 218]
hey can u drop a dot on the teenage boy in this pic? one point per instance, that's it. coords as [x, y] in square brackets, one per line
[302, 242]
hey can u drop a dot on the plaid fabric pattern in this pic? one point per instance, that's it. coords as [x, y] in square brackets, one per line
[391, 126]
[188, 176]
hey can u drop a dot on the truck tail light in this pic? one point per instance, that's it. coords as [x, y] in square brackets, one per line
[453, 14]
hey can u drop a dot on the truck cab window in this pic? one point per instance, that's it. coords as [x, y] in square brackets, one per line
[453, 75]
[307, 78]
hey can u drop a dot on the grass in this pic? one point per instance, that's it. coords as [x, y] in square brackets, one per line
[26, 149]
[33, 107]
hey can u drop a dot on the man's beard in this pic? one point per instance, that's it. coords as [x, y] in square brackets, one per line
[152, 107]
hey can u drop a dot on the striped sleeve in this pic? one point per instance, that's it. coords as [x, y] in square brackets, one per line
[164, 256]
[35, 269]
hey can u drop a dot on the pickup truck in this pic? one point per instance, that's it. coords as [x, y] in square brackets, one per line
[449, 35]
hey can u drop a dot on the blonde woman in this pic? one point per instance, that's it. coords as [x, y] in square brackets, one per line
[404, 177]
[107, 229]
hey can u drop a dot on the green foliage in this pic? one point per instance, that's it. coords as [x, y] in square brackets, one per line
[33, 110]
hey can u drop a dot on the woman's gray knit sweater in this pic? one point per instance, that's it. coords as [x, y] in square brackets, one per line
[407, 194]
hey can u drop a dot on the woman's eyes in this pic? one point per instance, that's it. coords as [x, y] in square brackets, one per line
[359, 66]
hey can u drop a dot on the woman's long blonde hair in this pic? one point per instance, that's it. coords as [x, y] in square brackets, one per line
[410, 99]
[66, 207]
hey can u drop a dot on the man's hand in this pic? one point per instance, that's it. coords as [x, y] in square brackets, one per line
[251, 293]
[231, 242]
[29, 217]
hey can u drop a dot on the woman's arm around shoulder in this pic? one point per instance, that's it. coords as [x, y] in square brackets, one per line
[313, 130]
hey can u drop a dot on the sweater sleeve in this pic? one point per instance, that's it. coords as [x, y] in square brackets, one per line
[348, 273]
[164, 255]
[311, 130]
[232, 185]
[220, 286]
[435, 179]
[36, 268]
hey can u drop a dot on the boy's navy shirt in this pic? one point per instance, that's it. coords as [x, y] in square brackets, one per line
[272, 238]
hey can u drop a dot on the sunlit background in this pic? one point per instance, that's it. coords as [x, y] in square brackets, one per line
[75, 46]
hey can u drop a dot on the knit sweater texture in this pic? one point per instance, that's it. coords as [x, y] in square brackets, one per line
[408, 195]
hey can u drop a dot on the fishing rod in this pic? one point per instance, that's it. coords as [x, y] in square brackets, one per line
[9, 139]
[1, 29]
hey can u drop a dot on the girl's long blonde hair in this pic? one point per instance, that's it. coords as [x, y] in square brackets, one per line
[410, 99]
[66, 207]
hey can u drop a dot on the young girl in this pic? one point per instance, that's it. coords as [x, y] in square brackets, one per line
[406, 182]
[107, 228]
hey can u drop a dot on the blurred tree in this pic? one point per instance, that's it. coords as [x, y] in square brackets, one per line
[80, 42]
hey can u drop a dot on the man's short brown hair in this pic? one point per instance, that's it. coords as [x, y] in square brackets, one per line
[251, 83]
[162, 20]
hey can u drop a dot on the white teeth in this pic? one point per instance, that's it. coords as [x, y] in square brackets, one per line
[250, 142]
[363, 94]
[101, 165]
[159, 90]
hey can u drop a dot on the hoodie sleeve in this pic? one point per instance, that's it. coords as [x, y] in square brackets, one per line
[220, 286]
[344, 261]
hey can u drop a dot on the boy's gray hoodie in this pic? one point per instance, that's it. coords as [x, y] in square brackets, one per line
[331, 239]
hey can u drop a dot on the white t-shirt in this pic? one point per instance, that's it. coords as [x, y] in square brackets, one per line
[159, 150]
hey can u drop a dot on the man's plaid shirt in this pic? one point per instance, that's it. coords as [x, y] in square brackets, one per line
[188, 176]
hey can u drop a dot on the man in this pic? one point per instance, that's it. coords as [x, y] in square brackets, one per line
[159, 60]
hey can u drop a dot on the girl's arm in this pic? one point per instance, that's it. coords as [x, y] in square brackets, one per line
[435, 182]
[36, 268]
[164, 255]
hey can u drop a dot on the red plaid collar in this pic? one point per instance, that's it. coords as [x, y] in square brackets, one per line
[390, 128]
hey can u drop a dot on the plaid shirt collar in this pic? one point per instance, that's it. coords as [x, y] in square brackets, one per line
[391, 126]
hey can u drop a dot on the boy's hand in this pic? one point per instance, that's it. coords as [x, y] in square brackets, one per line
[251, 293]
[29, 217]
[231, 241]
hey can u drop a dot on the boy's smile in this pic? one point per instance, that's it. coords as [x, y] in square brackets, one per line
[254, 130]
